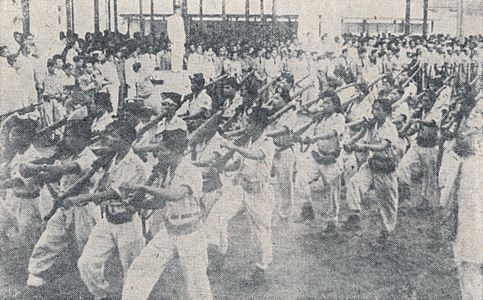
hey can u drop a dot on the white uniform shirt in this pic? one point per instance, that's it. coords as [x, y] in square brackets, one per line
[130, 169]
[196, 104]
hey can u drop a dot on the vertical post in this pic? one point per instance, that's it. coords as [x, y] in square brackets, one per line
[223, 10]
[116, 28]
[68, 15]
[26, 16]
[274, 16]
[459, 22]
[141, 18]
[72, 6]
[262, 10]
[247, 14]
[407, 23]
[96, 15]
[187, 23]
[425, 18]
[262, 18]
[109, 17]
[201, 17]
[151, 26]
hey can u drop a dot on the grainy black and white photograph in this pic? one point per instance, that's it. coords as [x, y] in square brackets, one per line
[241, 149]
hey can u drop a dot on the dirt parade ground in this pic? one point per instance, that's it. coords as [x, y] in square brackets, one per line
[413, 265]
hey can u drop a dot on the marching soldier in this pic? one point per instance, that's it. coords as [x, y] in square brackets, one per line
[181, 231]
[379, 170]
[196, 106]
[76, 160]
[19, 211]
[326, 171]
[120, 227]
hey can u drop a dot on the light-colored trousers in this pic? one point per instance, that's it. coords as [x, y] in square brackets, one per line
[471, 281]
[283, 168]
[104, 240]
[259, 208]
[177, 55]
[54, 240]
[420, 161]
[323, 193]
[386, 189]
[20, 220]
[150, 264]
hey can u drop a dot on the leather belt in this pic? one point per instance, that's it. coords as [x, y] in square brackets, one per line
[183, 216]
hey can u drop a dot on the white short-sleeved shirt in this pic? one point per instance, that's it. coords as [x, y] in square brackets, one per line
[230, 106]
[258, 170]
[386, 131]
[84, 160]
[186, 174]
[29, 155]
[130, 169]
[334, 122]
[195, 105]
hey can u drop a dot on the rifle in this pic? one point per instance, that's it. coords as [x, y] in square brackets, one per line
[150, 125]
[53, 126]
[291, 104]
[190, 95]
[438, 91]
[206, 129]
[10, 183]
[221, 161]
[75, 187]
[300, 80]
[341, 88]
[411, 77]
[20, 111]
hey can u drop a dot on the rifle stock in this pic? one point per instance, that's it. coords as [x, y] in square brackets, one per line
[73, 189]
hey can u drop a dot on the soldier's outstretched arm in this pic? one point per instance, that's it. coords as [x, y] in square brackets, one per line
[10, 183]
[30, 170]
[374, 147]
[83, 199]
[161, 195]
[324, 136]
[255, 154]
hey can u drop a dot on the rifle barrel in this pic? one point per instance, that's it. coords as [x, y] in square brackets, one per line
[53, 126]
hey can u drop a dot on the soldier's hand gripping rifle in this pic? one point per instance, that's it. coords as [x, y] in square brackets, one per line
[75, 188]
[20, 111]
[360, 126]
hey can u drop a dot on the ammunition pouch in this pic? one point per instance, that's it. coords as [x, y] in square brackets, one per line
[325, 158]
[382, 164]
[118, 214]
[427, 136]
[251, 187]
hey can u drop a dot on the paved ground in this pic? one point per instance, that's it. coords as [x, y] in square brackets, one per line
[306, 266]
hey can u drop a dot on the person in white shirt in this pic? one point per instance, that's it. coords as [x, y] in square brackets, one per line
[108, 69]
[196, 106]
[378, 170]
[177, 37]
[196, 61]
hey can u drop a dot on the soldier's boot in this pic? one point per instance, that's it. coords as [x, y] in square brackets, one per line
[353, 223]
[307, 213]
